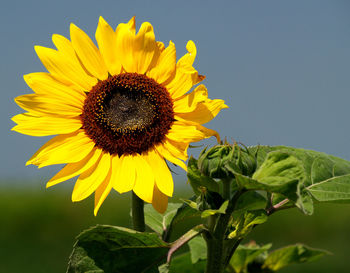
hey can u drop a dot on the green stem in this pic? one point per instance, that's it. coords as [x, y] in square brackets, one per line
[138, 217]
[230, 249]
[214, 255]
[215, 240]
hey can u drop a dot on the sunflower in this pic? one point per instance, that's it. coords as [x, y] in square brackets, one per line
[119, 111]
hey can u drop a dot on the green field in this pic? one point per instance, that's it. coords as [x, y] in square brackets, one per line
[38, 228]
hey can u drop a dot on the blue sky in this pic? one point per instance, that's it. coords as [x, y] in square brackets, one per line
[282, 66]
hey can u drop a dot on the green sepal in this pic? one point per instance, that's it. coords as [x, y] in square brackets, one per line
[197, 180]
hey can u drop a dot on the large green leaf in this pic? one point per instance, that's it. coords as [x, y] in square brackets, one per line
[185, 216]
[333, 189]
[279, 168]
[250, 200]
[108, 249]
[290, 255]
[246, 254]
[281, 173]
[327, 176]
[198, 249]
[183, 264]
[157, 221]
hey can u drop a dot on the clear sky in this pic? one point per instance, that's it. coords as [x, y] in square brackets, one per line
[283, 67]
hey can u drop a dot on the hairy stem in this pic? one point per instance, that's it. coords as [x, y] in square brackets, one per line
[278, 206]
[216, 257]
[226, 188]
[138, 217]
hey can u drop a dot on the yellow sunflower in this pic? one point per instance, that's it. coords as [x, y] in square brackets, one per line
[119, 110]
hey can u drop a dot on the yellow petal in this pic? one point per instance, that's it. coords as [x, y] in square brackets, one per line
[160, 200]
[161, 46]
[63, 67]
[102, 191]
[166, 65]
[124, 173]
[107, 42]
[144, 183]
[44, 84]
[204, 112]
[138, 53]
[144, 47]
[47, 106]
[186, 76]
[64, 46]
[206, 133]
[178, 149]
[89, 180]
[63, 149]
[188, 59]
[184, 132]
[33, 125]
[125, 44]
[188, 103]
[162, 175]
[74, 169]
[88, 53]
[162, 150]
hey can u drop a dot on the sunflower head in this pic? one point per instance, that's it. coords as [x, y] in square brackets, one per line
[119, 111]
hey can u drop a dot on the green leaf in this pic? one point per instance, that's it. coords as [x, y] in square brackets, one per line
[185, 238]
[291, 255]
[159, 222]
[185, 215]
[164, 268]
[293, 190]
[245, 223]
[182, 263]
[250, 200]
[333, 189]
[209, 212]
[197, 180]
[279, 168]
[111, 249]
[246, 254]
[280, 173]
[283, 167]
[198, 249]
[326, 175]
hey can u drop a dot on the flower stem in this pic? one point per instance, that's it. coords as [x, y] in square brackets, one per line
[214, 255]
[216, 258]
[138, 217]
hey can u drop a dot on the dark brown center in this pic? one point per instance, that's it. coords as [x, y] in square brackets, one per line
[127, 114]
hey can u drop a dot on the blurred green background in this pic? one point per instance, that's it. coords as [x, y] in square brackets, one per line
[39, 226]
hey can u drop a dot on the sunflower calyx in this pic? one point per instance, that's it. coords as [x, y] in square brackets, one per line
[222, 161]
